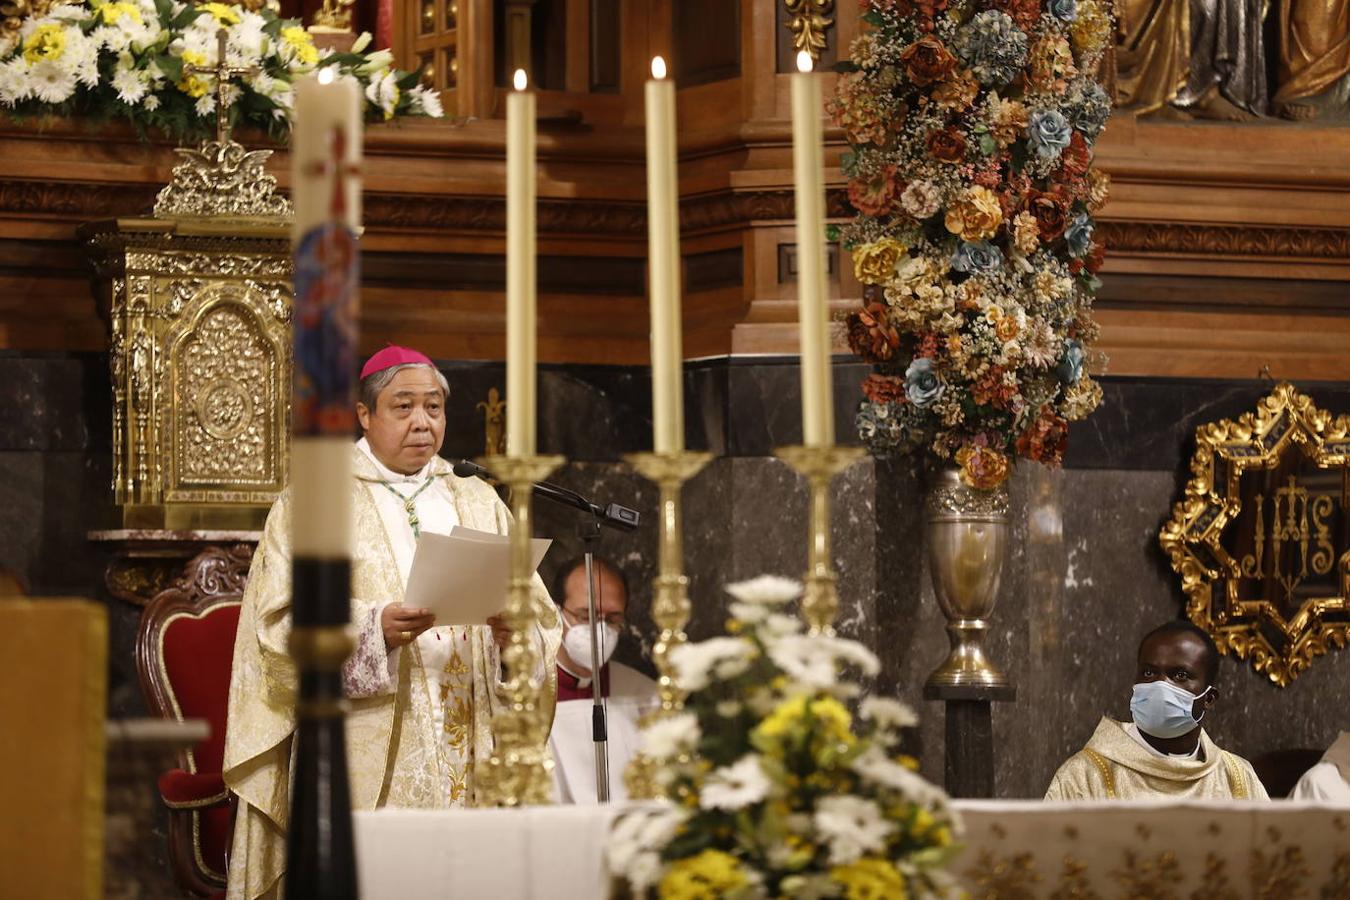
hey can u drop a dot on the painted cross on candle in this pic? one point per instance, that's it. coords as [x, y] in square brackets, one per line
[327, 279]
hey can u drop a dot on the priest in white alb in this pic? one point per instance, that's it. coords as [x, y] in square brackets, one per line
[421, 696]
[1163, 753]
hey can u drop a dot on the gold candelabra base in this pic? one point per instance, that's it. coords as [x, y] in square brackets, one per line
[519, 772]
[670, 600]
[819, 465]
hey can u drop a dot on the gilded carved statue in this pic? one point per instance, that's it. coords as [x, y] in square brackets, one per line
[1191, 58]
[1314, 59]
[1206, 59]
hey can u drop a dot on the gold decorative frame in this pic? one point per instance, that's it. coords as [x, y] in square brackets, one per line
[1234, 566]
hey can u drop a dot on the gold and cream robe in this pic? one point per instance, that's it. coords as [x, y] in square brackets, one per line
[1114, 766]
[418, 718]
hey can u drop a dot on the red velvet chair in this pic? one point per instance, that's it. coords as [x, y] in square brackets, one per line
[183, 653]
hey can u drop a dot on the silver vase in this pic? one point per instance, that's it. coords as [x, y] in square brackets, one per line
[967, 532]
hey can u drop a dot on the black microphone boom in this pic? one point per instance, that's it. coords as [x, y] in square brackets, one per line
[615, 516]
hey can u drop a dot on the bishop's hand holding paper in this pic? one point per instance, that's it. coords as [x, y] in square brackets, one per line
[422, 694]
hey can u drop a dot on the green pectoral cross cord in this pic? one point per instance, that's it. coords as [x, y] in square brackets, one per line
[410, 504]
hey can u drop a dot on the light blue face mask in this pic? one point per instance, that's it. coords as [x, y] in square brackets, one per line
[1163, 710]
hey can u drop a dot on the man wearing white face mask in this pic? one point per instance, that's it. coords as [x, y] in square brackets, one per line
[627, 692]
[1163, 753]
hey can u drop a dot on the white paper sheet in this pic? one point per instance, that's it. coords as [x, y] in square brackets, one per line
[462, 577]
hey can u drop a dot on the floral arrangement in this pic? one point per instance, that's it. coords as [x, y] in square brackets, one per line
[776, 789]
[134, 59]
[971, 125]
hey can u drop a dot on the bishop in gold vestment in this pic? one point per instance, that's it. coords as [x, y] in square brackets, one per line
[421, 700]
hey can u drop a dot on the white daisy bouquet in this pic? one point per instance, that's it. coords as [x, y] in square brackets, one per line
[133, 59]
[777, 788]
[971, 126]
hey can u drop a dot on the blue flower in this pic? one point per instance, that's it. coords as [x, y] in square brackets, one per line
[992, 47]
[1064, 10]
[976, 257]
[1079, 234]
[1087, 106]
[1048, 132]
[922, 385]
[887, 429]
[1070, 367]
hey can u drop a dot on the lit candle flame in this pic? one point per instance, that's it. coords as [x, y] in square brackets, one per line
[804, 62]
[658, 67]
[325, 76]
[520, 80]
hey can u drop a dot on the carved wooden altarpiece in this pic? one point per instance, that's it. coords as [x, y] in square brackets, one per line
[198, 300]
[1261, 539]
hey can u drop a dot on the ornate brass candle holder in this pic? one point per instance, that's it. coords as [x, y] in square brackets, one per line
[819, 465]
[670, 602]
[519, 772]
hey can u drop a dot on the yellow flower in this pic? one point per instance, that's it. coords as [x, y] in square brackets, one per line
[1091, 28]
[875, 263]
[870, 879]
[1026, 233]
[193, 85]
[222, 12]
[831, 717]
[923, 820]
[301, 44]
[982, 468]
[111, 12]
[1099, 188]
[975, 215]
[47, 42]
[710, 874]
[941, 837]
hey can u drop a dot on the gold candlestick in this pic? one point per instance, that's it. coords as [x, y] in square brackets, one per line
[819, 465]
[520, 772]
[670, 601]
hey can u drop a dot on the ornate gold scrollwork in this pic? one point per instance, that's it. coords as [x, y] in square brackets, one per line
[811, 19]
[1260, 536]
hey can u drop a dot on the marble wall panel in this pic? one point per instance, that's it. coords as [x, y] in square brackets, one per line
[1086, 579]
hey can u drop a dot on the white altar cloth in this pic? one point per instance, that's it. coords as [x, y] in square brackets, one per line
[1012, 849]
[554, 852]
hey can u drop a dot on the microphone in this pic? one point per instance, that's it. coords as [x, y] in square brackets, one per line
[466, 469]
[615, 516]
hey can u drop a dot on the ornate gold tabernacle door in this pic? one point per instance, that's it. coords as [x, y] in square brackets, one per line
[198, 299]
[1261, 539]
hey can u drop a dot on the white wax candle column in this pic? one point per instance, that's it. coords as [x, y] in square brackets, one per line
[663, 250]
[326, 191]
[521, 307]
[813, 309]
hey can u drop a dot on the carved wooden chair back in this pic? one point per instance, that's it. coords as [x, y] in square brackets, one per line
[184, 650]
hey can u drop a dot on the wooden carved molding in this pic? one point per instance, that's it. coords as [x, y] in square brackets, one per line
[84, 201]
[1225, 240]
[1261, 538]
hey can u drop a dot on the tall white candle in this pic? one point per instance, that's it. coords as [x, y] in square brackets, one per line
[813, 309]
[663, 250]
[326, 191]
[521, 307]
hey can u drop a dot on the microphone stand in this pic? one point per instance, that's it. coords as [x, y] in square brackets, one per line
[589, 532]
[615, 516]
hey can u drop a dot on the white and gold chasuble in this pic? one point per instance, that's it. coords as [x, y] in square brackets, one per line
[419, 716]
[1116, 766]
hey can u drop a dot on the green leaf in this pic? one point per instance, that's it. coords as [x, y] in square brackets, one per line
[987, 145]
[845, 66]
[171, 66]
[189, 14]
[874, 18]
